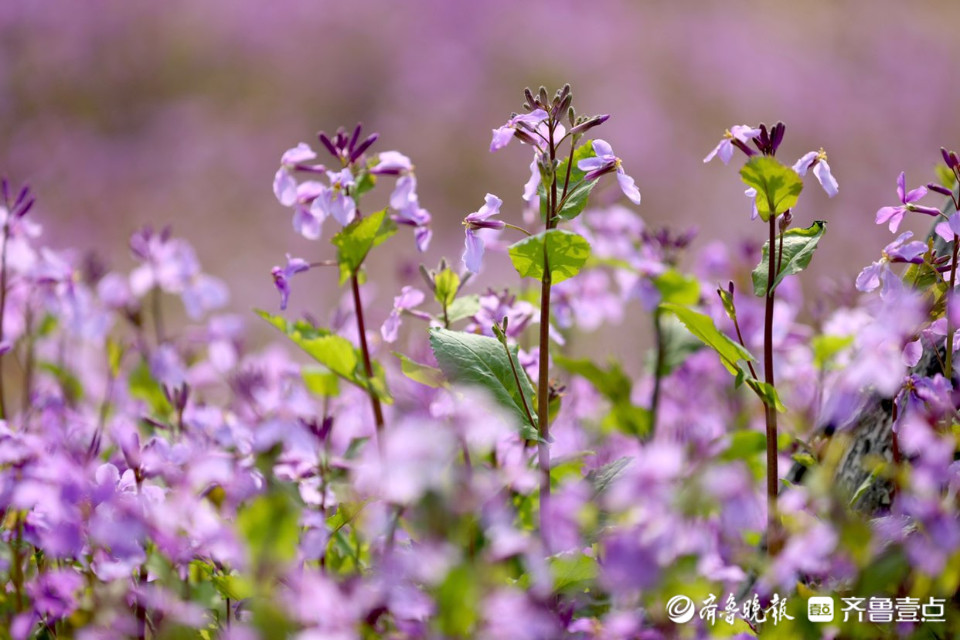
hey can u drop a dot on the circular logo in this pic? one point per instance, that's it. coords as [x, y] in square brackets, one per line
[680, 609]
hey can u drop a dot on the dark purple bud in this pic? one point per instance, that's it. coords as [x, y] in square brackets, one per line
[730, 287]
[23, 210]
[747, 150]
[776, 137]
[328, 144]
[356, 136]
[950, 158]
[24, 190]
[919, 208]
[363, 147]
[763, 140]
[524, 137]
[939, 189]
[596, 173]
[589, 124]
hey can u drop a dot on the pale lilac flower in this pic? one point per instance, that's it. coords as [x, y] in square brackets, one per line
[284, 184]
[334, 202]
[821, 170]
[899, 251]
[503, 135]
[409, 298]
[894, 215]
[604, 162]
[281, 277]
[741, 133]
[949, 228]
[392, 163]
[473, 251]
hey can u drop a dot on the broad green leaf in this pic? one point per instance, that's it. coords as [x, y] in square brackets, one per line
[678, 344]
[447, 283]
[233, 586]
[463, 307]
[472, 359]
[778, 186]
[798, 247]
[356, 239]
[143, 387]
[703, 328]
[320, 381]
[422, 373]
[676, 288]
[564, 251]
[270, 525]
[826, 347]
[457, 599]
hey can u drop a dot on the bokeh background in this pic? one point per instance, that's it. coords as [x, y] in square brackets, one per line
[122, 113]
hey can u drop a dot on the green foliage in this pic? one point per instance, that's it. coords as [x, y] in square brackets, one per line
[422, 373]
[472, 359]
[778, 186]
[701, 326]
[270, 525]
[615, 385]
[457, 598]
[744, 445]
[143, 387]
[463, 307]
[603, 477]
[827, 347]
[765, 392]
[334, 352]
[798, 247]
[356, 239]
[676, 288]
[447, 283]
[321, 381]
[564, 251]
[573, 572]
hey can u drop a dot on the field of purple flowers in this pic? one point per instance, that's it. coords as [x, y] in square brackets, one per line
[451, 451]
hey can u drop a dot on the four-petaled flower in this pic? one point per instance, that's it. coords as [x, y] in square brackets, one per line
[409, 298]
[281, 277]
[894, 215]
[604, 162]
[879, 272]
[821, 170]
[480, 219]
[740, 133]
[503, 135]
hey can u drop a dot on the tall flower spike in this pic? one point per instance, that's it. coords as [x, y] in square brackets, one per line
[604, 162]
[480, 219]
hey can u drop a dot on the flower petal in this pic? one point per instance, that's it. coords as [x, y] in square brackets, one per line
[628, 186]
[473, 252]
[822, 172]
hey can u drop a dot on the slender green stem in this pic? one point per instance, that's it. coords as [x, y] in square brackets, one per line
[771, 411]
[516, 379]
[367, 364]
[657, 370]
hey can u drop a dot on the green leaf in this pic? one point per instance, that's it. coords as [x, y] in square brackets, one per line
[356, 239]
[676, 288]
[463, 307]
[424, 374]
[827, 347]
[457, 598]
[321, 381]
[767, 393]
[365, 183]
[678, 344]
[616, 386]
[447, 283]
[602, 478]
[744, 444]
[472, 359]
[576, 200]
[573, 571]
[703, 328]
[798, 248]
[778, 186]
[70, 384]
[143, 387]
[270, 525]
[565, 252]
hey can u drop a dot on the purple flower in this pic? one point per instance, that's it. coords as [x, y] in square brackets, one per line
[604, 162]
[473, 252]
[409, 297]
[503, 135]
[281, 277]
[392, 163]
[949, 228]
[334, 201]
[821, 170]
[284, 184]
[408, 210]
[899, 250]
[894, 215]
[740, 133]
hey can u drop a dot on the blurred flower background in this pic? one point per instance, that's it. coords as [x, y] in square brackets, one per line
[124, 113]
